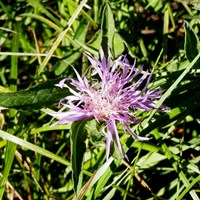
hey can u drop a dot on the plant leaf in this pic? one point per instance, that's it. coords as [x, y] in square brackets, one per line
[192, 43]
[78, 148]
[75, 54]
[99, 174]
[34, 98]
[108, 28]
[118, 45]
[33, 147]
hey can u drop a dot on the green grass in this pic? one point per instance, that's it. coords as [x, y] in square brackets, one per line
[40, 41]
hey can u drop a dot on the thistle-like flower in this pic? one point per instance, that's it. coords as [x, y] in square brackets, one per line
[111, 97]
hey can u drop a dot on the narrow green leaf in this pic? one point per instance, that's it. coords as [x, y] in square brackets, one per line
[14, 59]
[61, 36]
[85, 15]
[34, 98]
[37, 5]
[104, 169]
[9, 156]
[170, 156]
[155, 4]
[10, 147]
[196, 180]
[169, 91]
[73, 55]
[32, 147]
[71, 9]
[43, 19]
[164, 147]
[192, 44]
[50, 128]
[106, 175]
[5, 9]
[145, 146]
[78, 148]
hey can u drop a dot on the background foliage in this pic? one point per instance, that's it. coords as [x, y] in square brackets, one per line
[39, 42]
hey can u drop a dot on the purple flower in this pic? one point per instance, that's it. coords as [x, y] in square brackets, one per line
[111, 97]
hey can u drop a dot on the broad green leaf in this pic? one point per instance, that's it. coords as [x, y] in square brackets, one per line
[81, 31]
[118, 45]
[34, 98]
[192, 44]
[95, 42]
[110, 39]
[78, 148]
[94, 134]
[70, 57]
[108, 28]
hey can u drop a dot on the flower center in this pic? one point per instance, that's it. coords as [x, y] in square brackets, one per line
[104, 103]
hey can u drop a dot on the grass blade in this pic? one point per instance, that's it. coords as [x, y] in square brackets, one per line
[60, 37]
[32, 147]
[10, 147]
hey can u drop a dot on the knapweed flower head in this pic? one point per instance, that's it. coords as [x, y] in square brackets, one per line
[111, 97]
